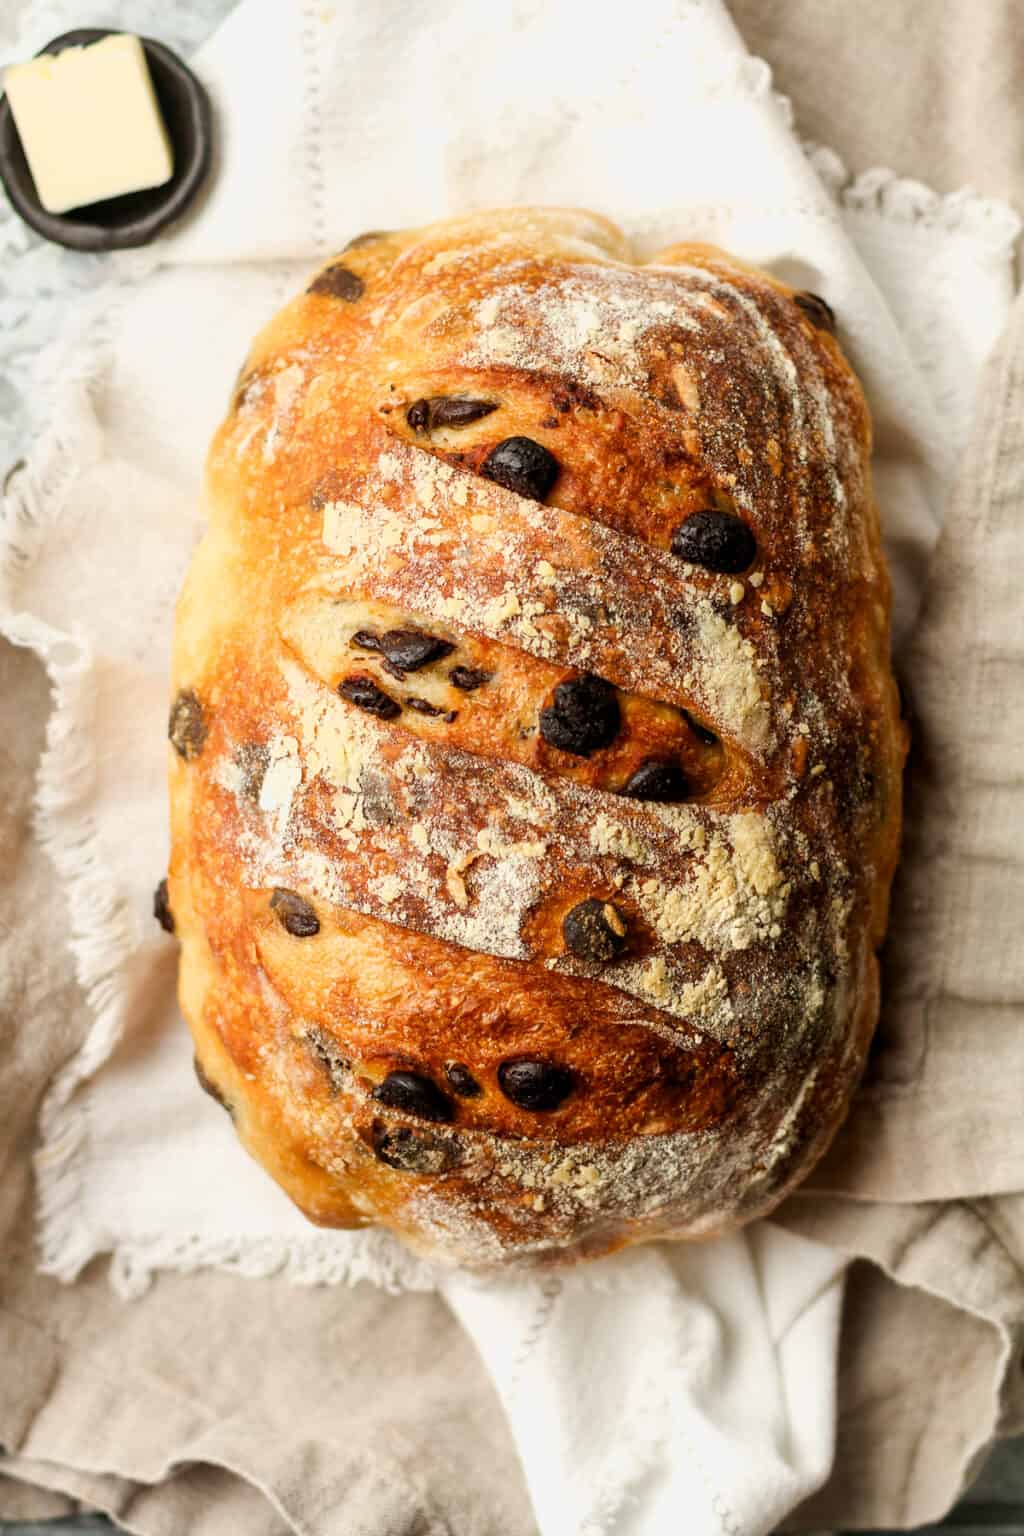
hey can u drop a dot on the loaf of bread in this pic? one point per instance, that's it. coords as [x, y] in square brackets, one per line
[535, 754]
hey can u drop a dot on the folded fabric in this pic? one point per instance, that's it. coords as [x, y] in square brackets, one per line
[691, 1382]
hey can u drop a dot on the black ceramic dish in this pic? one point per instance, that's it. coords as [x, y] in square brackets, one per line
[135, 218]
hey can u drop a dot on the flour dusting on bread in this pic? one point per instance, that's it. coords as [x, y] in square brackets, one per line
[535, 759]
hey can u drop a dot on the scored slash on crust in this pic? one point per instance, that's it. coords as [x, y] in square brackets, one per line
[718, 934]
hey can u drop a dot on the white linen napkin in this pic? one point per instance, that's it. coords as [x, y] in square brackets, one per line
[657, 1387]
[691, 1389]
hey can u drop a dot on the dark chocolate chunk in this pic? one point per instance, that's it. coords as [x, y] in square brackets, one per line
[720, 541]
[294, 913]
[338, 282]
[414, 1094]
[328, 1055]
[392, 671]
[462, 1080]
[364, 693]
[447, 411]
[413, 1151]
[187, 727]
[418, 415]
[536, 1085]
[657, 778]
[700, 731]
[523, 466]
[583, 716]
[161, 908]
[468, 678]
[594, 930]
[209, 1086]
[458, 411]
[134, 218]
[424, 707]
[411, 649]
[405, 650]
[820, 314]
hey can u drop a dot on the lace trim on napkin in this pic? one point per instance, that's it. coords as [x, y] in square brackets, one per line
[882, 193]
[102, 939]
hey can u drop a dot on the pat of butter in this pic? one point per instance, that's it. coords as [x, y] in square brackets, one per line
[89, 123]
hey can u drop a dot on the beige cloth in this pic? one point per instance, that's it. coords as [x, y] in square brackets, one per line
[357, 1412]
[928, 90]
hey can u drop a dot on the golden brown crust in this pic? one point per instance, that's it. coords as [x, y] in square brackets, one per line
[453, 968]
